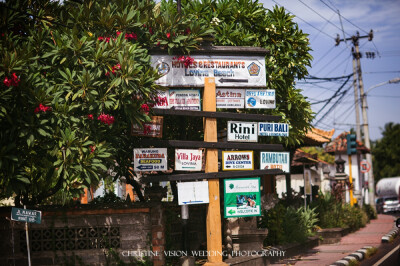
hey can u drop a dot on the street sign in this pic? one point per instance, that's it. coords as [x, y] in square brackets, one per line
[193, 192]
[260, 99]
[242, 197]
[150, 159]
[153, 128]
[242, 131]
[25, 215]
[275, 160]
[184, 99]
[273, 129]
[229, 71]
[365, 166]
[188, 160]
[230, 98]
[237, 160]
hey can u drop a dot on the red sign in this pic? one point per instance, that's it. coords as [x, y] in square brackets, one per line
[365, 166]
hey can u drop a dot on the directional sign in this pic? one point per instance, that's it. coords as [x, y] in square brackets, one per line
[229, 71]
[260, 99]
[242, 131]
[242, 197]
[188, 160]
[237, 160]
[193, 192]
[273, 129]
[150, 159]
[25, 215]
[365, 166]
[275, 160]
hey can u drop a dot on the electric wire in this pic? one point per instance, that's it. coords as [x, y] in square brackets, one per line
[321, 16]
[304, 20]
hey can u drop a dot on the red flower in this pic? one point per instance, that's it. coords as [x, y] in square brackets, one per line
[106, 119]
[168, 35]
[42, 108]
[131, 36]
[158, 44]
[101, 38]
[118, 33]
[92, 148]
[150, 31]
[90, 116]
[7, 82]
[145, 108]
[187, 31]
[11, 81]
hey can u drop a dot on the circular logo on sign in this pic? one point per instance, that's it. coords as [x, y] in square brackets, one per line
[163, 68]
[251, 102]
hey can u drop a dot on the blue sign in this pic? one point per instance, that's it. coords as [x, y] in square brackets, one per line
[273, 129]
[25, 215]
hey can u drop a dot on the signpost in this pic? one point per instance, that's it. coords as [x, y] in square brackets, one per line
[228, 70]
[27, 216]
[242, 131]
[192, 192]
[237, 160]
[242, 197]
[260, 99]
[184, 99]
[150, 159]
[275, 160]
[230, 98]
[188, 160]
[273, 129]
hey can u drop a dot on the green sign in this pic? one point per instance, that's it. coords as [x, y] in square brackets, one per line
[25, 215]
[242, 197]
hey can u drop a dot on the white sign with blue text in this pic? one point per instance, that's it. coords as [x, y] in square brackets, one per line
[260, 99]
[193, 192]
[275, 160]
[273, 129]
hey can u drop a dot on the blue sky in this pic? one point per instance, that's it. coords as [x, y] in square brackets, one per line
[383, 16]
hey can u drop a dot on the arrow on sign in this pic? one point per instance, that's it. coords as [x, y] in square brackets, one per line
[145, 167]
[233, 80]
[231, 212]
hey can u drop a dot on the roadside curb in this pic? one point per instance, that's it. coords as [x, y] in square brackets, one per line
[392, 234]
[359, 255]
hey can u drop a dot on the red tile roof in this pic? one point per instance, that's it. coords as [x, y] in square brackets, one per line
[339, 144]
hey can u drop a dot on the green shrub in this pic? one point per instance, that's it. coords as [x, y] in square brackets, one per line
[354, 217]
[370, 211]
[288, 225]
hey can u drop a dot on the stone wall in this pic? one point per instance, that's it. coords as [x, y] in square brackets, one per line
[87, 235]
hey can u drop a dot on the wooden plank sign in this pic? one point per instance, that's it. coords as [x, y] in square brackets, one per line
[154, 128]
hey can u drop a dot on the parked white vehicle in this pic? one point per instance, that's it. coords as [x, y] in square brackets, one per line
[388, 193]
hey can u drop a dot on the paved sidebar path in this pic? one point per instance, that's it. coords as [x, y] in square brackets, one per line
[327, 254]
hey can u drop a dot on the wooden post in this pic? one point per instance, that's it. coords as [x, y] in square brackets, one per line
[214, 234]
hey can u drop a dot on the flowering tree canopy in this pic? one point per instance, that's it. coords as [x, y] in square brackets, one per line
[76, 76]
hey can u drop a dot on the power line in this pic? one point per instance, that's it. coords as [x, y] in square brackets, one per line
[321, 16]
[319, 60]
[303, 20]
[336, 11]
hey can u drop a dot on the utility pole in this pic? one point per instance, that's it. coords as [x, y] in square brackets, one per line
[357, 55]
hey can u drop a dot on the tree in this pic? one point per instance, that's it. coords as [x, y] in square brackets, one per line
[78, 76]
[386, 153]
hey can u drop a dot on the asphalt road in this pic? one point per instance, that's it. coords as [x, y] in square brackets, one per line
[388, 255]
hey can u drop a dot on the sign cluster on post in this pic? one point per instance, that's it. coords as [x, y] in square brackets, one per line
[230, 82]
